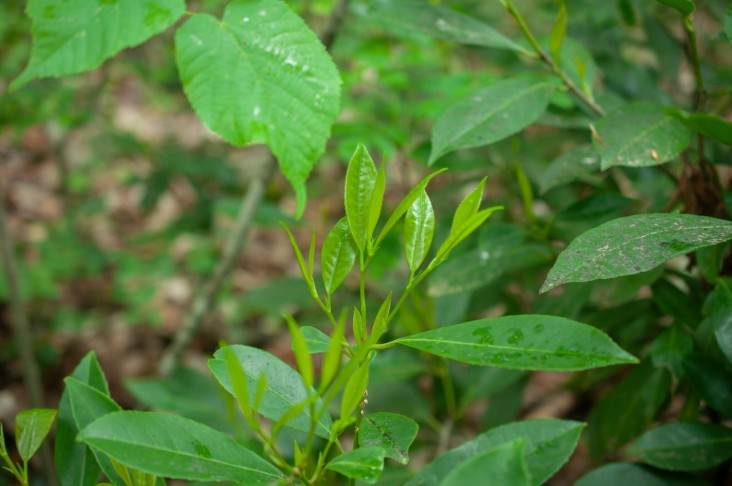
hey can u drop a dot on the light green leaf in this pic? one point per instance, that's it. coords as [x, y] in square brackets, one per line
[491, 114]
[360, 184]
[627, 473]
[31, 427]
[79, 35]
[634, 244]
[684, 446]
[728, 23]
[720, 313]
[302, 354]
[333, 357]
[467, 208]
[377, 199]
[549, 444]
[381, 321]
[462, 232]
[639, 135]
[175, 447]
[581, 162]
[261, 75]
[337, 256]
[364, 464]
[316, 339]
[556, 37]
[285, 387]
[419, 227]
[709, 125]
[524, 342]
[684, 7]
[392, 432]
[506, 463]
[353, 394]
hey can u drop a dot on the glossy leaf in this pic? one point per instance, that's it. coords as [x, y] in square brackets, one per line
[364, 464]
[31, 428]
[353, 394]
[377, 199]
[634, 244]
[506, 465]
[468, 207]
[175, 447]
[261, 75]
[639, 135]
[419, 227]
[457, 235]
[684, 7]
[393, 432]
[360, 183]
[709, 125]
[684, 446]
[285, 387]
[549, 444]
[316, 339]
[491, 114]
[337, 256]
[627, 473]
[525, 342]
[79, 35]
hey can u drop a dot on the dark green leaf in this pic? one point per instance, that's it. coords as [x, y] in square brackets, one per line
[316, 339]
[634, 244]
[707, 124]
[527, 342]
[720, 302]
[419, 227]
[619, 473]
[684, 7]
[364, 464]
[175, 447]
[392, 432]
[711, 380]
[337, 256]
[31, 428]
[684, 446]
[360, 183]
[578, 163]
[728, 23]
[670, 347]
[506, 465]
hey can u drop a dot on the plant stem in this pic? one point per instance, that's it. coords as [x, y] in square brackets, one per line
[700, 93]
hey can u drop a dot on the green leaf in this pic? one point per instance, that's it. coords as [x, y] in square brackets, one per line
[491, 114]
[437, 21]
[525, 342]
[709, 125]
[337, 256]
[581, 162]
[364, 464]
[353, 394]
[634, 244]
[175, 447]
[360, 184]
[684, 7]
[636, 475]
[381, 321]
[684, 446]
[79, 35]
[721, 317]
[711, 380]
[419, 227]
[506, 465]
[332, 359]
[377, 199]
[316, 339]
[467, 208]
[75, 463]
[728, 23]
[31, 427]
[639, 135]
[392, 432]
[261, 75]
[463, 231]
[285, 387]
[302, 355]
[304, 270]
[549, 444]
[556, 37]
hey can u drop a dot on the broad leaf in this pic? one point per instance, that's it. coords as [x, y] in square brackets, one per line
[285, 387]
[684, 446]
[261, 75]
[419, 227]
[391, 431]
[639, 135]
[491, 114]
[359, 192]
[556, 37]
[316, 339]
[549, 444]
[506, 465]
[684, 7]
[707, 124]
[364, 464]
[175, 447]
[711, 380]
[31, 428]
[634, 244]
[578, 163]
[629, 474]
[337, 256]
[720, 305]
[79, 35]
[525, 342]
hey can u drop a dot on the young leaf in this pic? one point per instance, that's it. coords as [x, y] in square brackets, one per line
[467, 208]
[465, 230]
[79, 35]
[316, 339]
[364, 464]
[261, 75]
[354, 391]
[684, 7]
[380, 322]
[728, 23]
[636, 475]
[549, 444]
[392, 432]
[285, 387]
[304, 270]
[333, 357]
[175, 447]
[639, 135]
[337, 256]
[31, 428]
[360, 183]
[419, 227]
[634, 244]
[302, 355]
[556, 37]
[377, 199]
[524, 342]
[359, 326]
[684, 446]
[491, 114]
[506, 463]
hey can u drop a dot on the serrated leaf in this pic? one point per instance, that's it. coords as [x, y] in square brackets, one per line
[419, 227]
[79, 35]
[578, 163]
[337, 256]
[31, 428]
[261, 75]
[359, 192]
[316, 339]
[176, 447]
[549, 444]
[391, 431]
[524, 342]
[634, 244]
[491, 114]
[285, 387]
[707, 124]
[684, 7]
[639, 135]
[364, 464]
[506, 463]
[684, 446]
